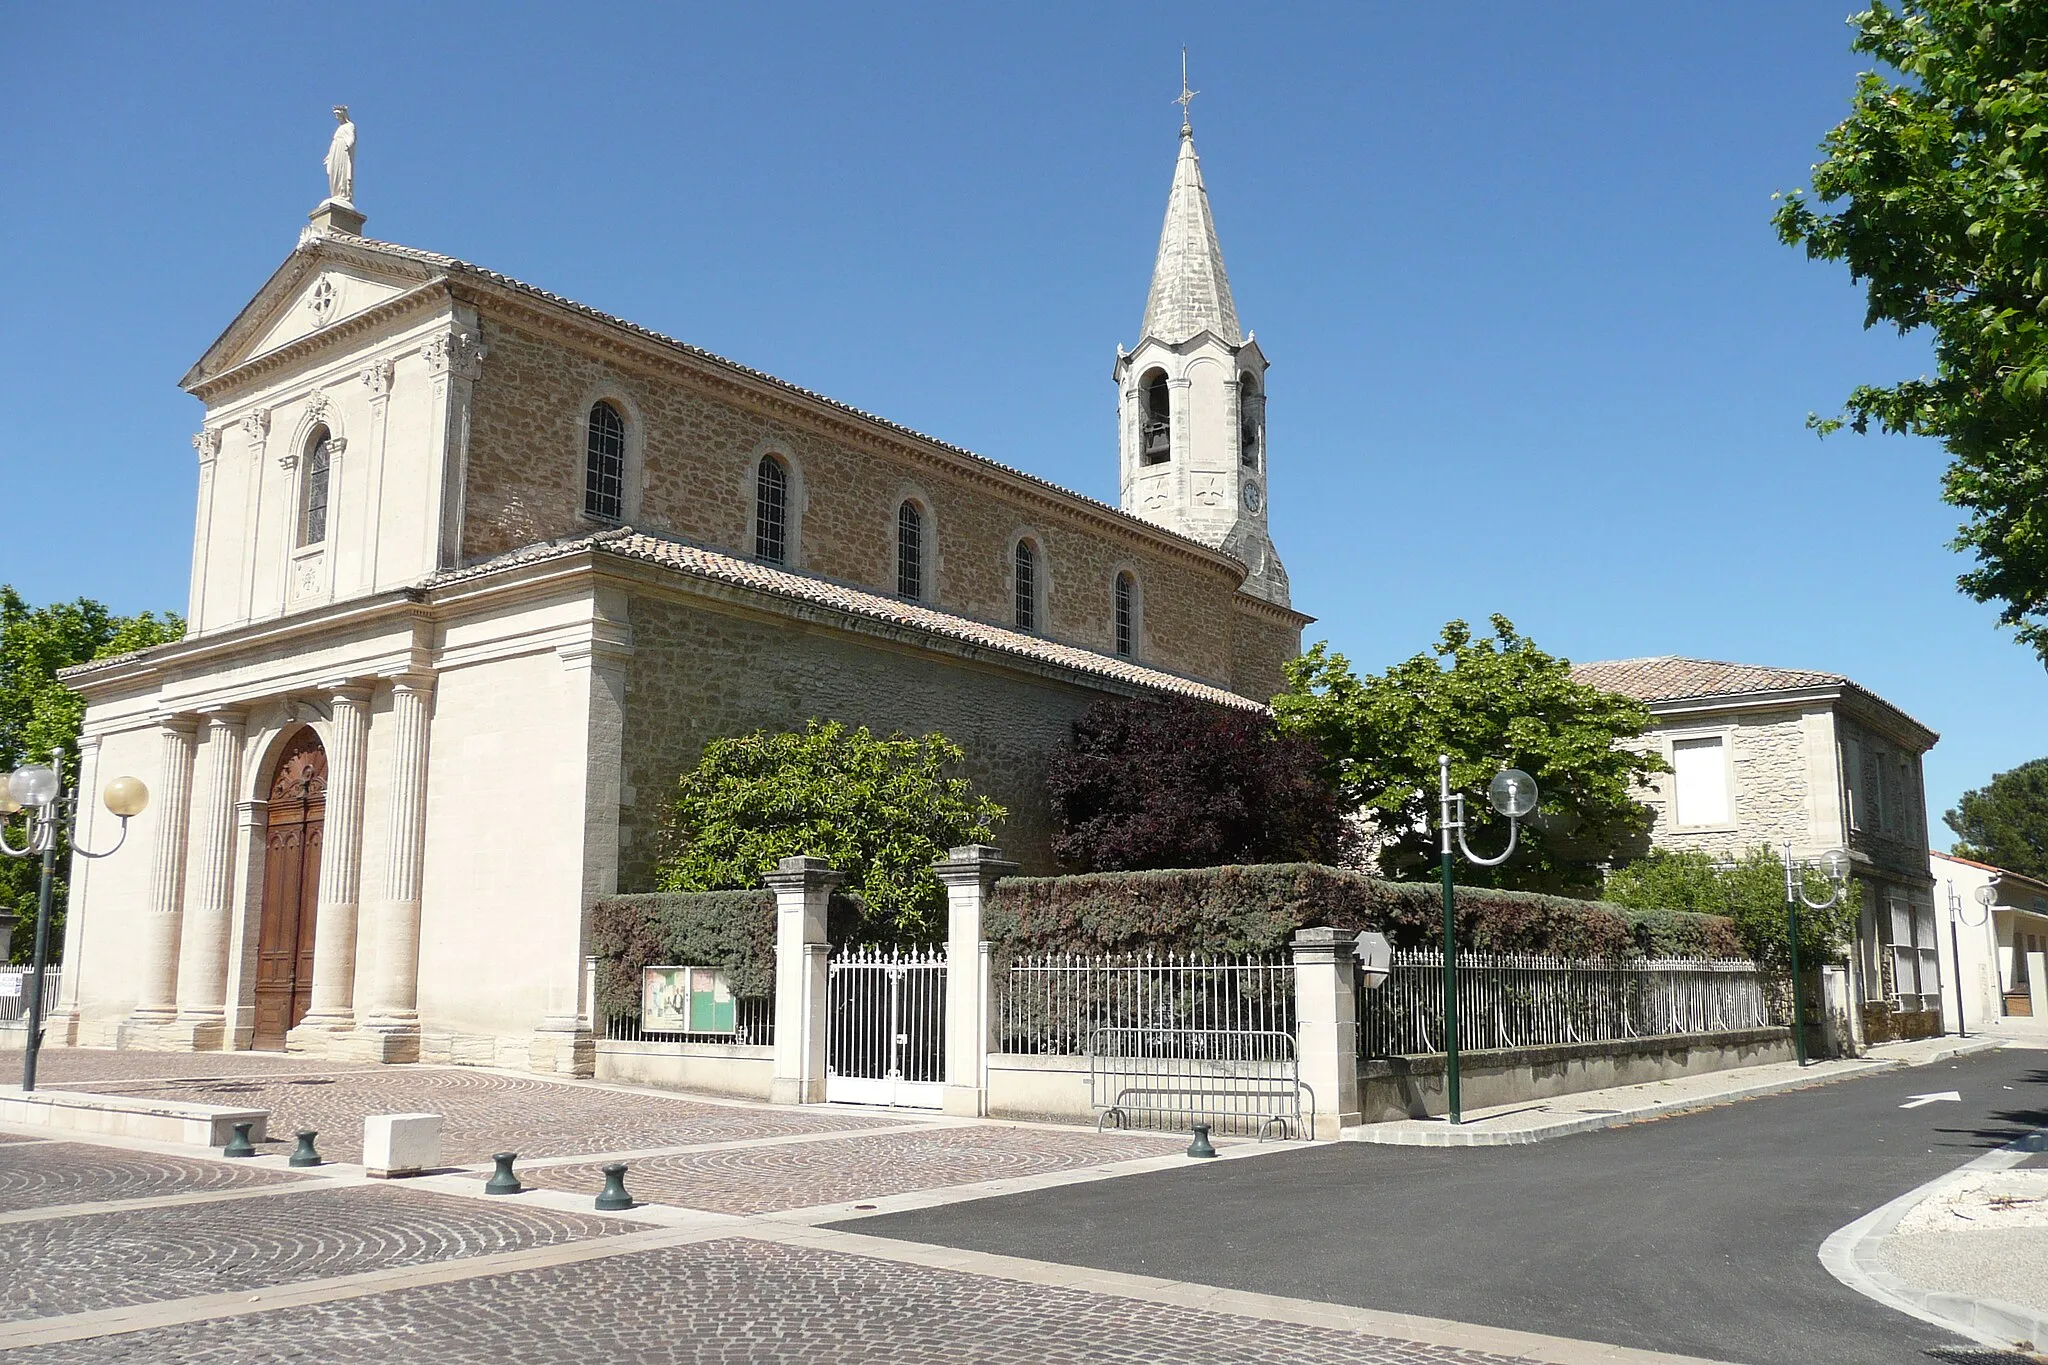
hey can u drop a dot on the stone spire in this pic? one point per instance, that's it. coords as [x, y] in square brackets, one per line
[1190, 289]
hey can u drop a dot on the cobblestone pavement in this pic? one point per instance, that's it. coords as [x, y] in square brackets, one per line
[78, 1068]
[107, 1260]
[487, 1112]
[731, 1301]
[801, 1175]
[44, 1175]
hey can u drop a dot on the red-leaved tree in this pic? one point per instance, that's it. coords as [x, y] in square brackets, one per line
[1173, 782]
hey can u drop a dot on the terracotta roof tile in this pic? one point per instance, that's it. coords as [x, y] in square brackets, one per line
[699, 561]
[1668, 677]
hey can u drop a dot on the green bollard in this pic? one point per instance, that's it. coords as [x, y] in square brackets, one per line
[613, 1195]
[239, 1144]
[1200, 1146]
[502, 1180]
[305, 1155]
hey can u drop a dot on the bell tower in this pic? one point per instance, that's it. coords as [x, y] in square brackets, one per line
[1192, 394]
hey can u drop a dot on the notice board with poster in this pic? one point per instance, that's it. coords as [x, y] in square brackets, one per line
[685, 1000]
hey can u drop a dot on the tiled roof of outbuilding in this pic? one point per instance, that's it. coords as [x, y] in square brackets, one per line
[701, 562]
[1667, 677]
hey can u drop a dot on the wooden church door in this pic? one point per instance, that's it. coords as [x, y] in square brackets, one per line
[291, 890]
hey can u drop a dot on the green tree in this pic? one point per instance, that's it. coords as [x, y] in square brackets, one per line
[880, 810]
[1941, 177]
[38, 713]
[1489, 704]
[1750, 891]
[2005, 823]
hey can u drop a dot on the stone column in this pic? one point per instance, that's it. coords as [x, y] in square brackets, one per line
[203, 958]
[2037, 983]
[394, 1018]
[332, 1008]
[968, 872]
[803, 889]
[156, 1001]
[1326, 1026]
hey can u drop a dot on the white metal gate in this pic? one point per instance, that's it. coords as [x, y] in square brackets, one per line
[886, 1031]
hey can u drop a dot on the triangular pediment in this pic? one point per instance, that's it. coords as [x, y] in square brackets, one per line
[322, 283]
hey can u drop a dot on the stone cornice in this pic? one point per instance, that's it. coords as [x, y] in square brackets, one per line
[572, 322]
[1865, 706]
[422, 298]
[1259, 606]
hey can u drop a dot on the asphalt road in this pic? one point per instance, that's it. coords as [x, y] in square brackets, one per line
[1697, 1234]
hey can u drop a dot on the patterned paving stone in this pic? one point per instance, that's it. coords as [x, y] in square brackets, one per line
[487, 1112]
[110, 1260]
[738, 1302]
[46, 1174]
[80, 1068]
[765, 1179]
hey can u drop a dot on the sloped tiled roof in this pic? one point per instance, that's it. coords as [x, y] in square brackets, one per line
[1190, 290]
[698, 561]
[1668, 677]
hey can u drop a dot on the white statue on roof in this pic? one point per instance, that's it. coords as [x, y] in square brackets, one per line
[341, 160]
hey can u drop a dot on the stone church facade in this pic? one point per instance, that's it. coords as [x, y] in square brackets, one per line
[477, 572]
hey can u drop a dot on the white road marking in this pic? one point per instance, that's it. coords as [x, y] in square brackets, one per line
[1936, 1098]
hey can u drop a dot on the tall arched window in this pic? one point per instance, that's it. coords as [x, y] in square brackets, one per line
[771, 511]
[1155, 439]
[313, 491]
[1251, 411]
[604, 464]
[910, 552]
[1126, 615]
[1027, 585]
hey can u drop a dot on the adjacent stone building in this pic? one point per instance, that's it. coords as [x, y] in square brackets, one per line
[1778, 755]
[478, 571]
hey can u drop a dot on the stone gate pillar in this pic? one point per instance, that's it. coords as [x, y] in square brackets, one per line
[1326, 1025]
[803, 889]
[969, 872]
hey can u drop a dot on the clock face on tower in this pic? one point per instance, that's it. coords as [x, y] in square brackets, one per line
[1252, 498]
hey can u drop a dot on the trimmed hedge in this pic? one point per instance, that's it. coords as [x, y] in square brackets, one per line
[1254, 909]
[733, 930]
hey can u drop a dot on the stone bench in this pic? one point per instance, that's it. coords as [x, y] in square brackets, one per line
[132, 1116]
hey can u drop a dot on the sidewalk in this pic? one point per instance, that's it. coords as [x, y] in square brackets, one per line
[1968, 1252]
[1590, 1110]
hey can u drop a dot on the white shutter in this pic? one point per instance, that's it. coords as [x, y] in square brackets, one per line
[1700, 780]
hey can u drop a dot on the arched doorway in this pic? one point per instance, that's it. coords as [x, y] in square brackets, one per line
[291, 890]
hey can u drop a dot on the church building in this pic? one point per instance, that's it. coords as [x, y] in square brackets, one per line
[478, 571]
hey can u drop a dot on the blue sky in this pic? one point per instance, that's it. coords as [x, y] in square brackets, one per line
[1535, 349]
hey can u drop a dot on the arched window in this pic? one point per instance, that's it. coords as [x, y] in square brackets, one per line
[604, 464]
[910, 552]
[1027, 585]
[313, 491]
[771, 511]
[1155, 439]
[1126, 615]
[1251, 412]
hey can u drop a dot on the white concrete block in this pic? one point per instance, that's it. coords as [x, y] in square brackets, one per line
[401, 1144]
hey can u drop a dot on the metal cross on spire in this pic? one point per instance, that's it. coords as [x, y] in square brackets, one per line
[1187, 96]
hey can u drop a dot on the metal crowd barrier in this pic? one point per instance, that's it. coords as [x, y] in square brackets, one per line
[1236, 1080]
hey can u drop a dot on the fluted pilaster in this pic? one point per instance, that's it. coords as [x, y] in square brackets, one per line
[156, 997]
[395, 1005]
[341, 864]
[203, 959]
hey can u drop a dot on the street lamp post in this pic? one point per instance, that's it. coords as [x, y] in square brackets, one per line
[1985, 895]
[1835, 864]
[40, 791]
[1513, 793]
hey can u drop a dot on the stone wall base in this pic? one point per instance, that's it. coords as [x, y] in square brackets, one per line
[1413, 1087]
[169, 1035]
[1882, 1024]
[744, 1072]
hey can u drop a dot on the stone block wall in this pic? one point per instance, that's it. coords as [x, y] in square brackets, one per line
[1769, 791]
[700, 673]
[697, 440]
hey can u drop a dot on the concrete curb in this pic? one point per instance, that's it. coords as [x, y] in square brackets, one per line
[1851, 1255]
[1466, 1135]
